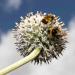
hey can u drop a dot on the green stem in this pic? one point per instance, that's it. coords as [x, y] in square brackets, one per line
[20, 62]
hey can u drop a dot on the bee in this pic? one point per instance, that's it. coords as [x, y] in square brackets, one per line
[50, 30]
[48, 18]
[54, 31]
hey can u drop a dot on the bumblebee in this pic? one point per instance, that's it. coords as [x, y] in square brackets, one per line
[48, 18]
[54, 31]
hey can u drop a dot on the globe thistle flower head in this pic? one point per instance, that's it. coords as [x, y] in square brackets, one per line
[40, 30]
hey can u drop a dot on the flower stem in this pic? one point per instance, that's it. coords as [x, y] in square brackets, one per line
[20, 62]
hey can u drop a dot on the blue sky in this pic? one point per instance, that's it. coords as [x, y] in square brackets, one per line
[11, 10]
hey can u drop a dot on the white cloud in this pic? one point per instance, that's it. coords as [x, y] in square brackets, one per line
[10, 5]
[65, 65]
[14, 4]
[7, 50]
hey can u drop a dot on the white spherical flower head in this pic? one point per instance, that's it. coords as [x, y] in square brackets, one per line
[40, 30]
